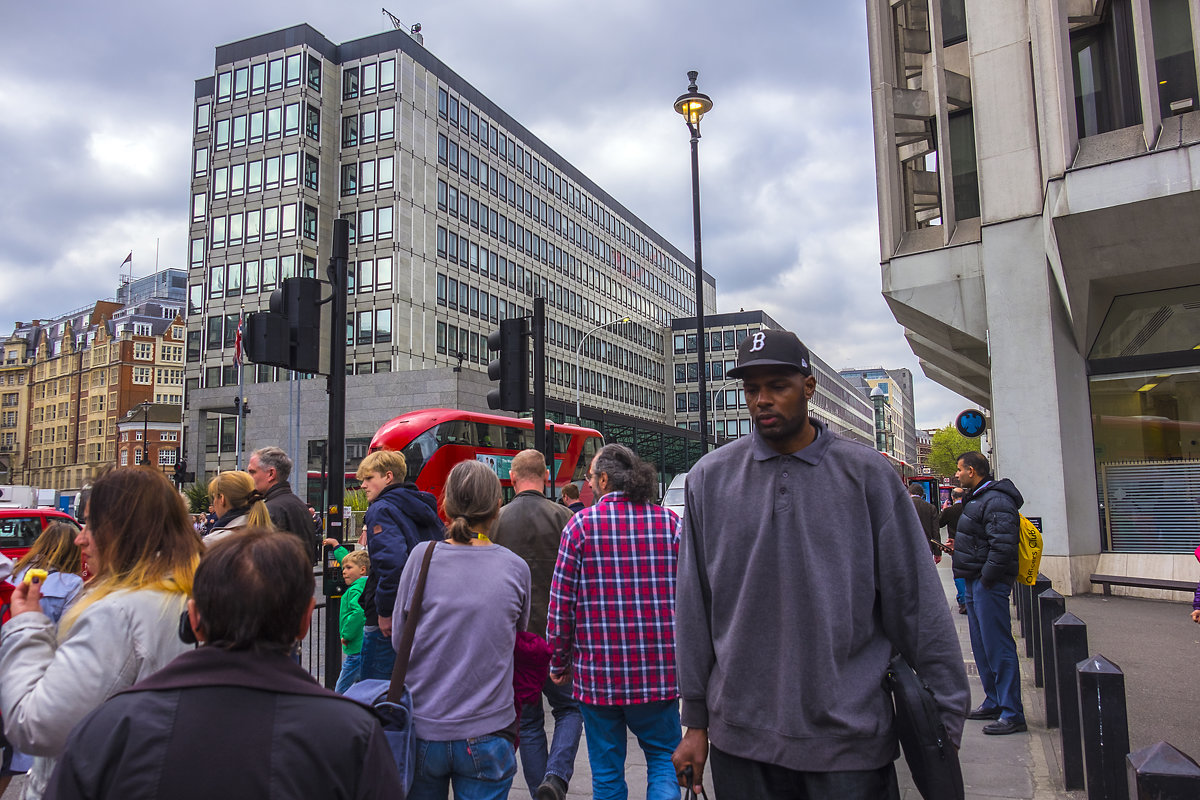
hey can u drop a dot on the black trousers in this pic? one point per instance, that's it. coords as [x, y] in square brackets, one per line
[735, 778]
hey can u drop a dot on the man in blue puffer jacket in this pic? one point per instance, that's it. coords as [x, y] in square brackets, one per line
[985, 556]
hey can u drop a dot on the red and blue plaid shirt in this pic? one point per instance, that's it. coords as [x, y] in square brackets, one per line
[612, 603]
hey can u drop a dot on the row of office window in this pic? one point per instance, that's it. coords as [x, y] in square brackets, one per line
[373, 326]
[714, 340]
[265, 76]
[368, 176]
[458, 249]
[262, 224]
[368, 127]
[471, 300]
[257, 175]
[457, 202]
[462, 118]
[234, 279]
[370, 224]
[368, 78]
[713, 371]
[266, 124]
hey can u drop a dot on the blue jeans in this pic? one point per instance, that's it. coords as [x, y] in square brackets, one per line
[536, 762]
[656, 726]
[351, 673]
[378, 657]
[995, 651]
[479, 769]
[960, 591]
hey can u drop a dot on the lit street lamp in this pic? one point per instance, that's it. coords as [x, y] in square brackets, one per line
[693, 106]
[579, 372]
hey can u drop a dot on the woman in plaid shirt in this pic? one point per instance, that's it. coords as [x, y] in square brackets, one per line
[612, 623]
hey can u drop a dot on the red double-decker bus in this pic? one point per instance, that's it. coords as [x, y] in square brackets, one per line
[435, 439]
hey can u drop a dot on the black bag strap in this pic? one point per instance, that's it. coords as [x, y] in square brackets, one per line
[400, 668]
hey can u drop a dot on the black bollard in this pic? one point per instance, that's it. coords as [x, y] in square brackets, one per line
[1161, 772]
[1021, 594]
[1070, 647]
[1051, 606]
[1033, 634]
[1105, 727]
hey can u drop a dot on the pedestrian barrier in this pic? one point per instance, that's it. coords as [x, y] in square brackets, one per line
[1085, 698]
[1051, 606]
[312, 649]
[1161, 772]
[1070, 647]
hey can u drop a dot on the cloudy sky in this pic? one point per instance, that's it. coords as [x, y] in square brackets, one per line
[95, 107]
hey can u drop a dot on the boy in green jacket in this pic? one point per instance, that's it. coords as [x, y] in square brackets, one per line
[355, 566]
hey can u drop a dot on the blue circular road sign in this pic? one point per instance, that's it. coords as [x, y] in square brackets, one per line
[970, 423]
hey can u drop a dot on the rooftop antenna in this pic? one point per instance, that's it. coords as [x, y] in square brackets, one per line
[413, 30]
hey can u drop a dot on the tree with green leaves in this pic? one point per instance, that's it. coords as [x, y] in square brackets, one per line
[948, 444]
[197, 497]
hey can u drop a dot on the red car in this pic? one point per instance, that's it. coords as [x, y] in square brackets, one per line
[20, 527]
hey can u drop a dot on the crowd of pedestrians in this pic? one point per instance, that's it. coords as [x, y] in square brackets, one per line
[745, 642]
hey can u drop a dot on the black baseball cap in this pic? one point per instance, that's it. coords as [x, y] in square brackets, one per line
[770, 348]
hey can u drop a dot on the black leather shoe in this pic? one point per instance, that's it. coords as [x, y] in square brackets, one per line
[1003, 726]
[962, 609]
[984, 713]
[552, 788]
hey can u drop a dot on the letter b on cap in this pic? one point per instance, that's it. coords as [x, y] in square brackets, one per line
[758, 341]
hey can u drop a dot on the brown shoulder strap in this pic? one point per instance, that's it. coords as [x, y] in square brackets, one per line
[400, 669]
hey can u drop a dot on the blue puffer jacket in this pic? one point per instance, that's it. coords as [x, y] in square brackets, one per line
[397, 520]
[985, 544]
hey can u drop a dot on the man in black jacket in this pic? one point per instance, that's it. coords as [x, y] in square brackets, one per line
[531, 526]
[928, 514]
[235, 718]
[270, 468]
[985, 556]
[948, 519]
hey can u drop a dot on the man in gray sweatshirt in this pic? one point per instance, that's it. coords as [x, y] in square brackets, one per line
[802, 566]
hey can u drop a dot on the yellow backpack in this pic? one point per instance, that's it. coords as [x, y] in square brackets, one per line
[1029, 552]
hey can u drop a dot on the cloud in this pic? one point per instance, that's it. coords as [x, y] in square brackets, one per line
[95, 109]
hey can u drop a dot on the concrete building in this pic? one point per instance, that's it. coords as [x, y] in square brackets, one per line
[835, 403]
[924, 447]
[1037, 207]
[459, 218]
[891, 394]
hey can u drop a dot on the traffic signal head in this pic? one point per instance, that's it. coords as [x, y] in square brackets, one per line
[289, 335]
[511, 368]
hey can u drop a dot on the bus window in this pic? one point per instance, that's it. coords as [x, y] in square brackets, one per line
[455, 432]
[419, 451]
[591, 446]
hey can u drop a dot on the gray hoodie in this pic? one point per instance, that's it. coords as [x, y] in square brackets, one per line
[798, 575]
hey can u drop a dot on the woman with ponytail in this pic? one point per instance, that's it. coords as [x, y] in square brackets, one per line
[142, 552]
[237, 505]
[461, 668]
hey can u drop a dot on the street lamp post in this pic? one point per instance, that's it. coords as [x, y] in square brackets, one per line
[693, 106]
[578, 371]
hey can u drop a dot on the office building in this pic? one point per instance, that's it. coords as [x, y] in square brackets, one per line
[1037, 209]
[459, 217]
[890, 392]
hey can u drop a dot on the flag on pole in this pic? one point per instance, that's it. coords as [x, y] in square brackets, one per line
[128, 259]
[237, 342]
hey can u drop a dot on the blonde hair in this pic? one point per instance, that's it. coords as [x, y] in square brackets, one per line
[528, 465]
[472, 497]
[381, 462]
[143, 537]
[358, 558]
[54, 551]
[238, 490]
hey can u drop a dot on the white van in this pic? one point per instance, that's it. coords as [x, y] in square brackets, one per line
[673, 499]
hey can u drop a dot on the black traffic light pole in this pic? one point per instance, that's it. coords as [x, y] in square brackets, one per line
[538, 334]
[335, 449]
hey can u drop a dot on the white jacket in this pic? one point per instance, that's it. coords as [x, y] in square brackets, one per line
[48, 686]
[235, 525]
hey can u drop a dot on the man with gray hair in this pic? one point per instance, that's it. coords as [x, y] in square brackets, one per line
[270, 468]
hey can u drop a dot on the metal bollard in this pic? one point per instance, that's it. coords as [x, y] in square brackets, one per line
[1021, 594]
[1162, 772]
[1070, 647]
[1033, 638]
[1105, 726]
[1051, 606]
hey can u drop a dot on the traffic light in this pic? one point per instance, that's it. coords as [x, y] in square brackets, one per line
[289, 335]
[511, 368]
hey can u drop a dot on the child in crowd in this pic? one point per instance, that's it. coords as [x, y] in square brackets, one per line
[355, 566]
